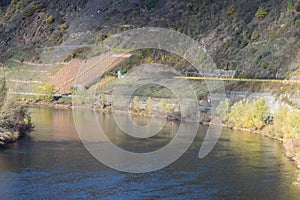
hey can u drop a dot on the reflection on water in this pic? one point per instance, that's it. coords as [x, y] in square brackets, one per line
[52, 163]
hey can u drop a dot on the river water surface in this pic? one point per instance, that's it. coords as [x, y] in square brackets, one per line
[52, 163]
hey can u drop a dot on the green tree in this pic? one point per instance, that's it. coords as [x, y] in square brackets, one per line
[13, 117]
[3, 91]
[149, 105]
[136, 104]
[162, 105]
[292, 127]
[223, 110]
[239, 115]
[280, 117]
[103, 99]
[47, 92]
[259, 112]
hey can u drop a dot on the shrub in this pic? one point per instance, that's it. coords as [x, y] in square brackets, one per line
[254, 35]
[234, 20]
[10, 9]
[3, 91]
[264, 65]
[290, 5]
[261, 13]
[48, 20]
[47, 92]
[63, 27]
[246, 115]
[295, 19]
[292, 127]
[162, 105]
[79, 91]
[81, 53]
[149, 4]
[35, 7]
[136, 104]
[149, 105]
[259, 112]
[18, 6]
[297, 7]
[223, 110]
[230, 10]
[13, 117]
[103, 99]
[148, 60]
[237, 114]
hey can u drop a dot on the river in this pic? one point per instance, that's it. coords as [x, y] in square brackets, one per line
[52, 163]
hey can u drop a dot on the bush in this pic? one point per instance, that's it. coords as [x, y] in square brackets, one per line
[259, 112]
[49, 20]
[136, 104]
[290, 5]
[3, 91]
[246, 115]
[47, 92]
[163, 105]
[81, 53]
[297, 7]
[18, 6]
[223, 110]
[149, 105]
[261, 13]
[63, 27]
[230, 10]
[292, 127]
[295, 19]
[103, 99]
[254, 35]
[149, 4]
[35, 7]
[13, 117]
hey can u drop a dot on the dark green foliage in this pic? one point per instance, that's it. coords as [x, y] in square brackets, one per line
[295, 19]
[1, 12]
[297, 7]
[149, 4]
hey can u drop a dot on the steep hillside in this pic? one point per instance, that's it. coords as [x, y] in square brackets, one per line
[257, 38]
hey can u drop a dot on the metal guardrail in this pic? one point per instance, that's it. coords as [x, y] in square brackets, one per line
[285, 81]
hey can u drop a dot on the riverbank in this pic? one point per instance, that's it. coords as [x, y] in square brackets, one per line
[39, 103]
[290, 147]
